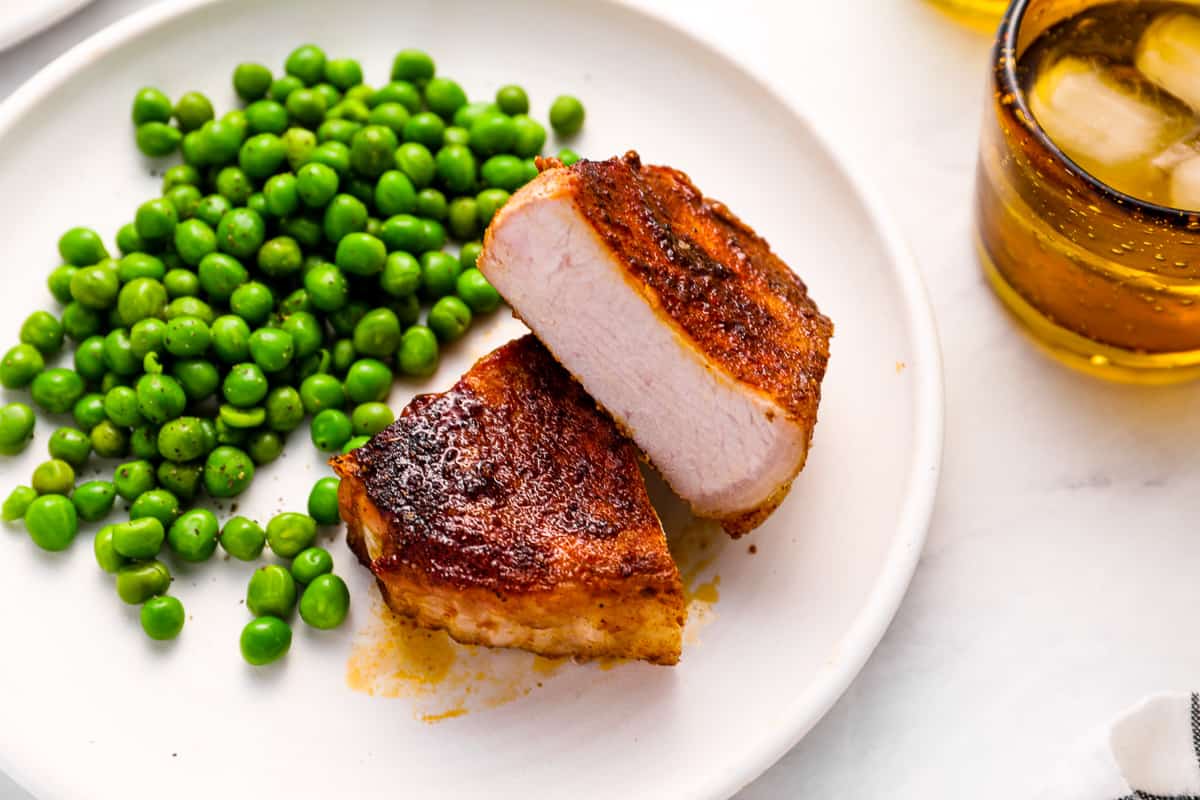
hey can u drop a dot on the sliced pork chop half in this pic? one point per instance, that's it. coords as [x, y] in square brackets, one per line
[511, 512]
[677, 318]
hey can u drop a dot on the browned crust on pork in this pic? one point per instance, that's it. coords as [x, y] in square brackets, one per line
[511, 497]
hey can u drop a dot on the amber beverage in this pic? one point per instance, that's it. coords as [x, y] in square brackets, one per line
[1106, 281]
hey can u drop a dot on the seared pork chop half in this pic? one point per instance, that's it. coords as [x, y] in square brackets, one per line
[677, 318]
[511, 512]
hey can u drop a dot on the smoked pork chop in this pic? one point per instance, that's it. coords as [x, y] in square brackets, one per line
[510, 511]
[677, 318]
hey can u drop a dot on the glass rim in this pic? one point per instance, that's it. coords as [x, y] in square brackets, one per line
[1004, 55]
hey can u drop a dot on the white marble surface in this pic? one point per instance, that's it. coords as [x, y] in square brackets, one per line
[1059, 581]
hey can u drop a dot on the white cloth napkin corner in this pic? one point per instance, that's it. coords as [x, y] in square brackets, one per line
[1151, 752]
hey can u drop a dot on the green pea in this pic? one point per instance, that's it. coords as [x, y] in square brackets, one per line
[253, 302]
[456, 168]
[251, 81]
[316, 184]
[20, 365]
[118, 353]
[335, 155]
[401, 275]
[315, 561]
[493, 132]
[271, 591]
[444, 97]
[432, 236]
[140, 265]
[199, 378]
[191, 147]
[394, 194]
[138, 582]
[95, 287]
[186, 337]
[449, 318]
[426, 128]
[192, 110]
[377, 333]
[336, 129]
[368, 379]
[16, 427]
[245, 385]
[70, 445]
[162, 618]
[264, 447]
[231, 338]
[145, 337]
[342, 356]
[43, 331]
[400, 92]
[88, 412]
[299, 144]
[107, 557]
[462, 218]
[280, 193]
[53, 477]
[240, 233]
[235, 186]
[59, 282]
[217, 142]
[79, 322]
[323, 506]
[466, 115]
[151, 105]
[329, 93]
[369, 419]
[93, 499]
[456, 135]
[344, 215]
[141, 298]
[133, 479]
[220, 275]
[307, 63]
[158, 504]
[504, 172]
[280, 257]
[243, 538]
[566, 115]
[128, 240]
[479, 295]
[512, 99]
[306, 107]
[418, 354]
[227, 472]
[306, 330]
[56, 389]
[193, 536]
[266, 116]
[272, 349]
[289, 533]
[285, 410]
[360, 254]
[52, 522]
[327, 287]
[439, 271]
[330, 429]
[193, 241]
[431, 204]
[139, 538]
[392, 115]
[372, 150]
[407, 309]
[109, 440]
[18, 502]
[185, 199]
[180, 175]
[160, 398]
[181, 480]
[415, 161]
[157, 139]
[412, 65]
[156, 219]
[325, 602]
[319, 392]
[181, 439]
[354, 443]
[567, 156]
[304, 229]
[89, 359]
[264, 640]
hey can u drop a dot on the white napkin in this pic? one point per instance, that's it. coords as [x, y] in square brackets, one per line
[1151, 752]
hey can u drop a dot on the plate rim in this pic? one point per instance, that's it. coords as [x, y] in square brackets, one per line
[803, 711]
[35, 25]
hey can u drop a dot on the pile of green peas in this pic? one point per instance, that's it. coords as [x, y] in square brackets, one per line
[294, 265]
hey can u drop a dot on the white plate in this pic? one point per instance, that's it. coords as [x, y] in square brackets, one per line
[20, 19]
[90, 708]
